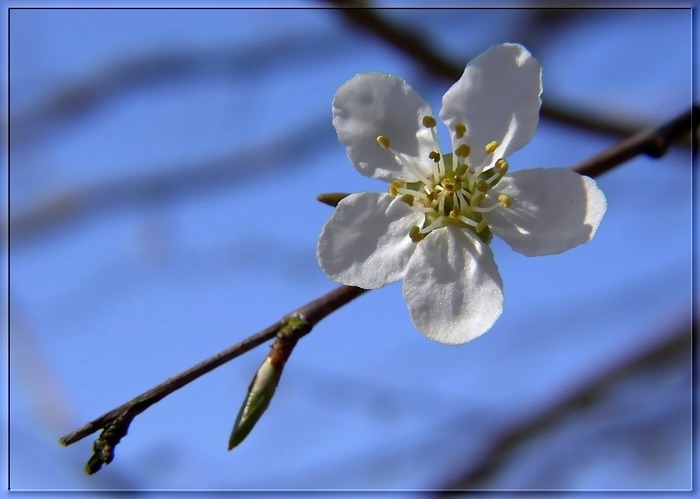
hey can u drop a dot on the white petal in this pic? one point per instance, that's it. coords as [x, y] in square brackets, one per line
[365, 243]
[552, 210]
[497, 98]
[453, 288]
[373, 104]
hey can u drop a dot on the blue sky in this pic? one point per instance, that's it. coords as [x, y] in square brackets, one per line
[150, 277]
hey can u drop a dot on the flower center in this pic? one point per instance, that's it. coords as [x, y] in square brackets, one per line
[454, 193]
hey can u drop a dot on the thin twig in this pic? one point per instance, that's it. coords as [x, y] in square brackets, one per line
[653, 143]
[313, 312]
[418, 48]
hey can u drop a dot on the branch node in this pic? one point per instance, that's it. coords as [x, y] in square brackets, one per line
[103, 448]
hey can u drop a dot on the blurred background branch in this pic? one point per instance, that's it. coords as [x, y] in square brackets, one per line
[672, 349]
[75, 205]
[75, 99]
[415, 46]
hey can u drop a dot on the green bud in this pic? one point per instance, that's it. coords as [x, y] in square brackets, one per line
[258, 398]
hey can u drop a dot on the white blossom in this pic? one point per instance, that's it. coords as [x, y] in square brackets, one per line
[433, 227]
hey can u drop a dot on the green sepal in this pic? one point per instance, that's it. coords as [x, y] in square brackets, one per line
[485, 235]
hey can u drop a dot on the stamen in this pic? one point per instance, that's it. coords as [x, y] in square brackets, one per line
[481, 225]
[408, 199]
[409, 166]
[493, 179]
[479, 209]
[422, 208]
[463, 196]
[435, 156]
[437, 223]
[460, 130]
[410, 192]
[394, 187]
[463, 151]
[502, 166]
[454, 197]
[415, 234]
[429, 122]
[448, 186]
[476, 200]
[441, 205]
[468, 221]
[440, 167]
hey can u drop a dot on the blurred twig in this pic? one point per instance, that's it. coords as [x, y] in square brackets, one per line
[75, 205]
[239, 63]
[418, 48]
[668, 347]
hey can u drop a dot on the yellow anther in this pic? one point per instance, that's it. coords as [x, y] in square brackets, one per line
[460, 130]
[482, 185]
[504, 200]
[429, 122]
[435, 156]
[394, 187]
[481, 225]
[408, 199]
[463, 151]
[415, 234]
[461, 170]
[490, 147]
[384, 142]
[502, 166]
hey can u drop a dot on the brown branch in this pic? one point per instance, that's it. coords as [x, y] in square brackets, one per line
[653, 143]
[410, 43]
[116, 422]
